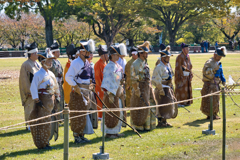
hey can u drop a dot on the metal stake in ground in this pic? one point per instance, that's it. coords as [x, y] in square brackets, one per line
[66, 133]
[210, 126]
[224, 125]
[102, 155]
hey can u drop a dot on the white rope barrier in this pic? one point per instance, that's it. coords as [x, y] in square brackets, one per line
[102, 110]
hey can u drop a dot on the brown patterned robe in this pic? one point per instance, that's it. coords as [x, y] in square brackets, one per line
[183, 86]
[41, 133]
[111, 121]
[211, 84]
[142, 119]
[128, 86]
[76, 103]
[58, 72]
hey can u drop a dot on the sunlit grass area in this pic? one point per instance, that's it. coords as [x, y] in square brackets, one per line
[182, 141]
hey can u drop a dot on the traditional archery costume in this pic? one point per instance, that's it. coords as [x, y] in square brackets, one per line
[27, 71]
[58, 72]
[162, 80]
[71, 52]
[183, 77]
[122, 62]
[212, 77]
[80, 76]
[112, 85]
[98, 68]
[45, 88]
[142, 119]
[128, 86]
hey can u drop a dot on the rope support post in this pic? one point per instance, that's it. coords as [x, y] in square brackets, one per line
[211, 113]
[224, 125]
[66, 133]
[102, 155]
[210, 130]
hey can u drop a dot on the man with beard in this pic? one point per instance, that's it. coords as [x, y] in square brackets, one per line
[80, 77]
[112, 85]
[212, 77]
[162, 80]
[183, 76]
[140, 76]
[44, 90]
[27, 71]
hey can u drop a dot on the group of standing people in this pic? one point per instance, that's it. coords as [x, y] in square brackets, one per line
[233, 44]
[111, 82]
[205, 45]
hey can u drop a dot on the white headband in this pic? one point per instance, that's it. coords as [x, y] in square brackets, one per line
[55, 50]
[30, 52]
[135, 52]
[82, 49]
[142, 51]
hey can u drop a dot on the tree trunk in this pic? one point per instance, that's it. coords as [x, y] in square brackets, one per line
[48, 30]
[172, 39]
[108, 42]
[131, 42]
[22, 43]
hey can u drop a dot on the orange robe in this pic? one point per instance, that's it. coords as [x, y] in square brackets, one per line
[66, 87]
[98, 69]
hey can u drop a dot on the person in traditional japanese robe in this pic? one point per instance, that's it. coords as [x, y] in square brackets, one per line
[164, 92]
[122, 62]
[98, 70]
[71, 52]
[27, 71]
[58, 72]
[212, 77]
[128, 86]
[183, 76]
[143, 119]
[90, 60]
[112, 85]
[80, 77]
[44, 90]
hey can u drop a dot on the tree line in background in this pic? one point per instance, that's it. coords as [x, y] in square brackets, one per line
[112, 21]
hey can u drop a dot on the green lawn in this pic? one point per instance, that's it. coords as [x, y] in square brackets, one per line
[182, 141]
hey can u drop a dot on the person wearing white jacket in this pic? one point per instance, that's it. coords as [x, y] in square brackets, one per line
[162, 79]
[44, 90]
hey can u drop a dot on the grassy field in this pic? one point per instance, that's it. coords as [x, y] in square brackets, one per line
[182, 141]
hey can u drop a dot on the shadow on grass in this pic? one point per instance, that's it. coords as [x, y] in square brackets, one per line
[197, 122]
[28, 152]
[36, 151]
[14, 133]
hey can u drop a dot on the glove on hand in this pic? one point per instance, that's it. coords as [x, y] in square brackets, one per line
[77, 89]
[39, 104]
[136, 89]
[111, 97]
[161, 91]
[223, 83]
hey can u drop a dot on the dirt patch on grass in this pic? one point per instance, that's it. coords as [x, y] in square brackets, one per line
[9, 74]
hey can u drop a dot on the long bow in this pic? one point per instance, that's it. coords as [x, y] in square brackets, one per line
[117, 116]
